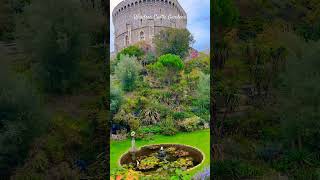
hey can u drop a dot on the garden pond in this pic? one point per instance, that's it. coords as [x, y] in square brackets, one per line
[162, 157]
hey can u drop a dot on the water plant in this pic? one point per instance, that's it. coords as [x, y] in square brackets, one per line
[148, 163]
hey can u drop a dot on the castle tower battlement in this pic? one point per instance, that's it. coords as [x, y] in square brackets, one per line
[141, 20]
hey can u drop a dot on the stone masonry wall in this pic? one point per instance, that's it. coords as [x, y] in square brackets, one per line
[140, 20]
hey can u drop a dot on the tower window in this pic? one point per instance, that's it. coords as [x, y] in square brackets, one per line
[141, 35]
[127, 40]
[140, 22]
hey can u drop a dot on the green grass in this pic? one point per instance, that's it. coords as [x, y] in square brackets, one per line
[197, 139]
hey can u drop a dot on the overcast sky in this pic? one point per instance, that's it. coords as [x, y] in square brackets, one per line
[198, 12]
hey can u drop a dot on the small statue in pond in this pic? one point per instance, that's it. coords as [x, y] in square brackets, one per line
[161, 154]
[133, 149]
[133, 142]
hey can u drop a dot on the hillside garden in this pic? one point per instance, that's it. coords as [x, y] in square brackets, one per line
[161, 96]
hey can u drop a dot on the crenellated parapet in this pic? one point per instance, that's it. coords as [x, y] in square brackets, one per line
[127, 5]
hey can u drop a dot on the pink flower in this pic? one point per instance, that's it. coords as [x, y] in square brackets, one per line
[194, 54]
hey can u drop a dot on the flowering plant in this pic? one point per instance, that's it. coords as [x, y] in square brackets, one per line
[203, 175]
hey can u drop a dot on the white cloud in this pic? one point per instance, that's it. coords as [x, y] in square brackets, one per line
[198, 12]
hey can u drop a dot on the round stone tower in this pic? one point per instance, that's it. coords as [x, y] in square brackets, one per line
[140, 20]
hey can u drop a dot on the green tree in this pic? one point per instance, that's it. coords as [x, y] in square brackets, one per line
[54, 33]
[116, 98]
[127, 71]
[168, 67]
[149, 59]
[131, 51]
[173, 41]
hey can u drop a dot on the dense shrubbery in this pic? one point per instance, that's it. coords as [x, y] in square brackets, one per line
[181, 115]
[49, 156]
[160, 110]
[168, 126]
[201, 104]
[150, 58]
[234, 169]
[131, 51]
[22, 119]
[156, 129]
[202, 63]
[189, 124]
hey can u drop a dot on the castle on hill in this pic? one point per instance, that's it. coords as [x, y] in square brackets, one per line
[140, 20]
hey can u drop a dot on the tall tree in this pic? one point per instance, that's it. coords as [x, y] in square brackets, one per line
[173, 41]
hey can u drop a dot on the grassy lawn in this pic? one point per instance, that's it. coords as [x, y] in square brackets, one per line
[197, 139]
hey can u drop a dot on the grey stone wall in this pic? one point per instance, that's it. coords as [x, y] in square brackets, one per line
[132, 18]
